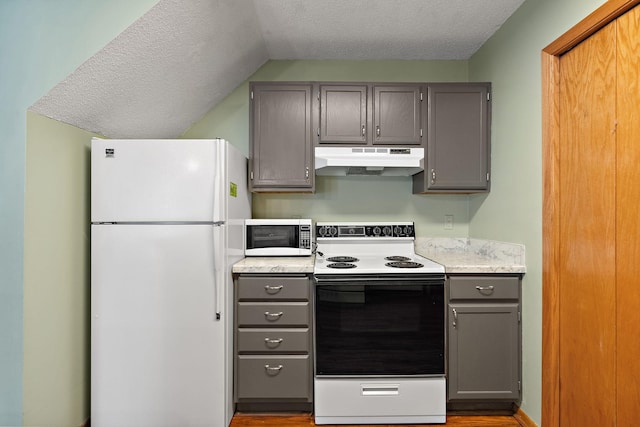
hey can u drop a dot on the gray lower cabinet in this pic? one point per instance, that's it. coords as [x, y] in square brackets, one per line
[273, 342]
[281, 145]
[484, 338]
[458, 122]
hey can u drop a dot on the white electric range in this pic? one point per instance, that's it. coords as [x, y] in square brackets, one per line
[378, 327]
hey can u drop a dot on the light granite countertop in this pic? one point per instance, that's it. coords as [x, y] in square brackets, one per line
[464, 255]
[457, 255]
[275, 264]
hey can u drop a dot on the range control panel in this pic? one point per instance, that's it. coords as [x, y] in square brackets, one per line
[364, 230]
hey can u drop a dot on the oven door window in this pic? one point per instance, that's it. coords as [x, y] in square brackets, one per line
[272, 236]
[395, 328]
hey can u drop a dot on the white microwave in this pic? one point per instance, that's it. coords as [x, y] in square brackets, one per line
[278, 237]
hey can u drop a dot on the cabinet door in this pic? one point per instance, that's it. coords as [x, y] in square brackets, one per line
[396, 115]
[484, 351]
[458, 123]
[281, 146]
[343, 114]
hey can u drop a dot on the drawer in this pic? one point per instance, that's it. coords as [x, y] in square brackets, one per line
[281, 340]
[484, 287]
[339, 399]
[273, 314]
[268, 377]
[273, 288]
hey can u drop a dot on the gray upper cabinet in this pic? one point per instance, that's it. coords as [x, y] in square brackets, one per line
[458, 118]
[281, 145]
[343, 114]
[396, 115]
[370, 114]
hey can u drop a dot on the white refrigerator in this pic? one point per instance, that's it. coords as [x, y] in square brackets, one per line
[166, 226]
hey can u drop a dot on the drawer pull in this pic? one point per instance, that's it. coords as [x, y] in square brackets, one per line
[273, 316]
[380, 389]
[273, 370]
[271, 343]
[455, 318]
[485, 289]
[273, 289]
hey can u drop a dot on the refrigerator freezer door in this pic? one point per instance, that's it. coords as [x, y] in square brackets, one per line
[155, 180]
[159, 358]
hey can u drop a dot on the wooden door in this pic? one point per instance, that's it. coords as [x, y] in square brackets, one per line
[591, 221]
[628, 219]
[587, 212]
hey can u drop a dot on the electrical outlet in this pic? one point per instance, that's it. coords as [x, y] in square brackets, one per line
[448, 222]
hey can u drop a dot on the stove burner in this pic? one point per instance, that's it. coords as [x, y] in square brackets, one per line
[397, 258]
[404, 264]
[341, 265]
[342, 259]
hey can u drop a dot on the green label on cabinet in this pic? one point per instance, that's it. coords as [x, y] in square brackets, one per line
[233, 189]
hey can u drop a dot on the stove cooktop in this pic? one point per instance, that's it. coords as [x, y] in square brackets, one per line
[369, 248]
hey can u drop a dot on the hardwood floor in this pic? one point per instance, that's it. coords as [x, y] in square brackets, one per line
[254, 420]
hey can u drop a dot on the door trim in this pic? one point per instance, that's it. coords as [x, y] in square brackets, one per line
[550, 61]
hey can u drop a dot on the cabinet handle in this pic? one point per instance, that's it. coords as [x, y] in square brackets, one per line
[485, 289]
[378, 131]
[273, 316]
[306, 172]
[433, 176]
[455, 317]
[272, 343]
[363, 130]
[273, 370]
[273, 289]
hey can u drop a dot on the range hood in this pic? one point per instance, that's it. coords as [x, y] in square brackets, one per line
[386, 161]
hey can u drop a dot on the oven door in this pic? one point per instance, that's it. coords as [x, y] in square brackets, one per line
[379, 325]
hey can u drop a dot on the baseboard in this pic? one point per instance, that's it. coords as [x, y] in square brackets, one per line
[524, 419]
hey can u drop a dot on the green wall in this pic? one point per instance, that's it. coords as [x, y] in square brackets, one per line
[513, 209]
[342, 198]
[41, 42]
[56, 380]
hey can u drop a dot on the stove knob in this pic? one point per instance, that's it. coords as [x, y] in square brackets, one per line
[376, 231]
[408, 230]
[386, 231]
[333, 231]
[397, 230]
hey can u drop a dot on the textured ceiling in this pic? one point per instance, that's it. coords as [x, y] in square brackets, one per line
[379, 29]
[181, 58]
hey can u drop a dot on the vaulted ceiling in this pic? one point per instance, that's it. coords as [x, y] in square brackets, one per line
[180, 59]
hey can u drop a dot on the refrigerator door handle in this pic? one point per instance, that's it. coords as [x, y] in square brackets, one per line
[219, 192]
[217, 263]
